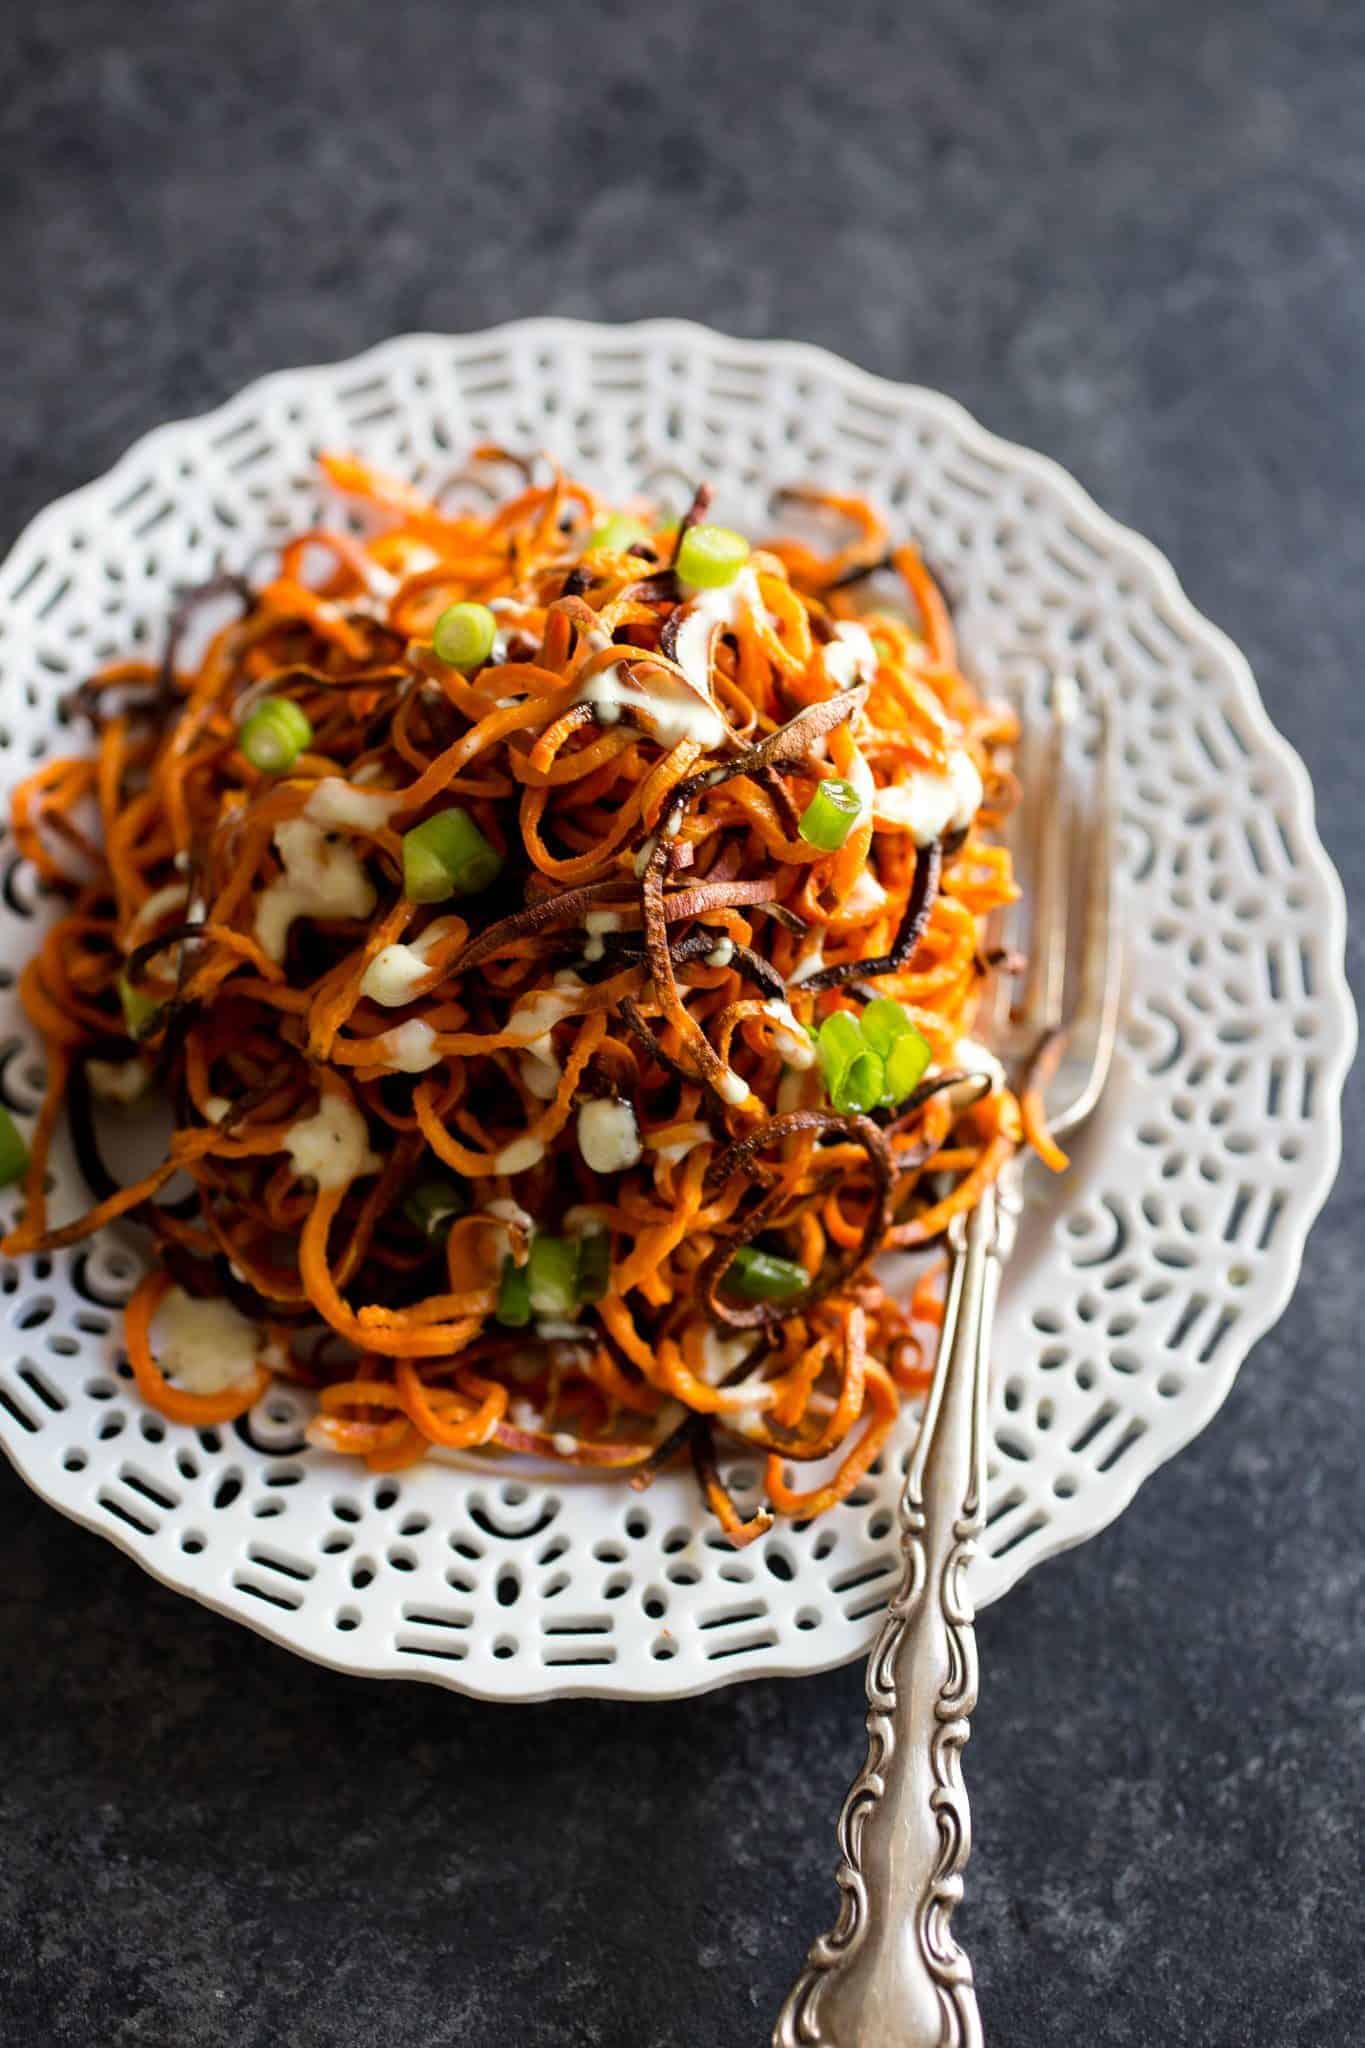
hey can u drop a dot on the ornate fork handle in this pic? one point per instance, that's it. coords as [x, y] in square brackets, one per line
[890, 1975]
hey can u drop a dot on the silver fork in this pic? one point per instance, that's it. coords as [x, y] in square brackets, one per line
[890, 1974]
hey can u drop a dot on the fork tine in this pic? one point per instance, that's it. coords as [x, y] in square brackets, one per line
[1074, 977]
[1095, 1018]
[993, 1016]
[1040, 1008]
[1099, 895]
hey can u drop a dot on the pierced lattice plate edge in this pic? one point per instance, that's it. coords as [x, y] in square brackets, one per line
[1069, 1525]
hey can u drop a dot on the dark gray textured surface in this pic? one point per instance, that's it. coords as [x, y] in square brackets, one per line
[1129, 234]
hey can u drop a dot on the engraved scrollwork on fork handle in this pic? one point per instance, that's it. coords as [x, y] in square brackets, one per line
[890, 1974]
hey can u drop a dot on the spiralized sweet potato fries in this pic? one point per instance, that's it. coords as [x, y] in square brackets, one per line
[532, 1129]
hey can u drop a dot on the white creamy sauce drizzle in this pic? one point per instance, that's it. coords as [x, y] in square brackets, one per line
[204, 1346]
[865, 897]
[541, 1077]
[810, 959]
[535, 1018]
[410, 1048]
[397, 974]
[790, 1039]
[596, 923]
[519, 1156]
[851, 657]
[539, 1062]
[118, 1080]
[608, 1136]
[322, 879]
[976, 1059]
[670, 711]
[510, 1216]
[929, 803]
[731, 1089]
[333, 1146]
[335, 802]
[707, 610]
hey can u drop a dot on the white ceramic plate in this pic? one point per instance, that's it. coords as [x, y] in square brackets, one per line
[1171, 1247]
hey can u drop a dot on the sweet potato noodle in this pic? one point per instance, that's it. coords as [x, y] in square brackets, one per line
[600, 1049]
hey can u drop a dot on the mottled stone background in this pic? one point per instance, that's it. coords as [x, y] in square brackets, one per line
[1130, 234]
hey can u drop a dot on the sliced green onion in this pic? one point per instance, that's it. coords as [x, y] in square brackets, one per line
[883, 1023]
[616, 533]
[13, 1150]
[838, 1042]
[762, 1276]
[906, 1064]
[514, 1297]
[709, 556]
[447, 856]
[138, 1009]
[860, 1086]
[904, 1050]
[273, 735]
[879, 1057]
[594, 1265]
[552, 1276]
[463, 635]
[432, 1205]
[830, 815]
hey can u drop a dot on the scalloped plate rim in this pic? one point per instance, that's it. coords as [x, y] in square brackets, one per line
[1336, 995]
